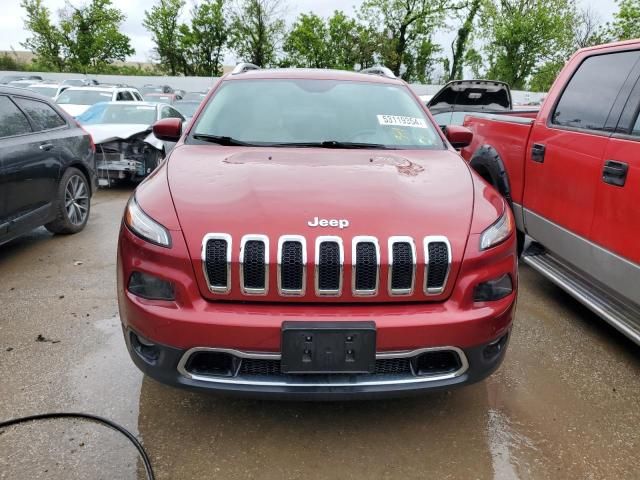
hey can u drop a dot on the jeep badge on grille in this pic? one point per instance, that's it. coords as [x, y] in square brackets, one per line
[324, 222]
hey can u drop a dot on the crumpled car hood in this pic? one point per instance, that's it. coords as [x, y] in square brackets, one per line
[108, 132]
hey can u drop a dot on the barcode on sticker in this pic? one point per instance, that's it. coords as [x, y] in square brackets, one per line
[400, 121]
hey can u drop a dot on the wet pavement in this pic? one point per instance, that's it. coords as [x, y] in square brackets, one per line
[565, 404]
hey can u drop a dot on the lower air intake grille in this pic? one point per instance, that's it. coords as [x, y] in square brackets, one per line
[366, 267]
[291, 267]
[402, 267]
[438, 266]
[216, 263]
[253, 265]
[389, 366]
[329, 267]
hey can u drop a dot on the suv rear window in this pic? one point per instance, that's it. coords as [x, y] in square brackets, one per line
[43, 115]
[598, 79]
[285, 112]
[12, 120]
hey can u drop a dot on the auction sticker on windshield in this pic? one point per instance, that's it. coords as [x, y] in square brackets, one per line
[400, 121]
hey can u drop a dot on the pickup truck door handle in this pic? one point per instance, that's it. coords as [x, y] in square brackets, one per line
[45, 147]
[537, 152]
[615, 173]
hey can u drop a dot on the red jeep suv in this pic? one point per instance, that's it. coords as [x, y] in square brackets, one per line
[315, 235]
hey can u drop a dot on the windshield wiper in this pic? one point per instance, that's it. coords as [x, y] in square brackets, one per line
[220, 140]
[333, 144]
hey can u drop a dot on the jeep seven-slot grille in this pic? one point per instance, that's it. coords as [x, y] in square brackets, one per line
[325, 272]
[366, 268]
[437, 266]
[253, 265]
[291, 266]
[216, 263]
[329, 268]
[403, 265]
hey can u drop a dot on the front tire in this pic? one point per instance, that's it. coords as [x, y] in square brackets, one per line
[72, 204]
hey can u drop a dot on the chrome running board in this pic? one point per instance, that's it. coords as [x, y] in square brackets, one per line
[622, 315]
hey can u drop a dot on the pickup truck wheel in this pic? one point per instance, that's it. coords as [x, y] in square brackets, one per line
[72, 204]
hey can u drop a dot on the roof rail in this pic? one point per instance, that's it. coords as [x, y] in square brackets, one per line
[244, 67]
[379, 70]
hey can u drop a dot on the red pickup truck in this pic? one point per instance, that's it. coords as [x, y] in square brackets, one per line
[572, 175]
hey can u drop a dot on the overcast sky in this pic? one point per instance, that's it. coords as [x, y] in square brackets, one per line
[13, 33]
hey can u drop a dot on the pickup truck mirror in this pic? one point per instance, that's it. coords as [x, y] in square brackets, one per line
[458, 136]
[168, 129]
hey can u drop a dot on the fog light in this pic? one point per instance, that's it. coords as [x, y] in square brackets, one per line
[493, 289]
[495, 348]
[150, 287]
[144, 348]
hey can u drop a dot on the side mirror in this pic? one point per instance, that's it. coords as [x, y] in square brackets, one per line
[458, 136]
[168, 129]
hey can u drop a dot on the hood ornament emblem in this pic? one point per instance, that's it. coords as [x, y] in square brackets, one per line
[328, 222]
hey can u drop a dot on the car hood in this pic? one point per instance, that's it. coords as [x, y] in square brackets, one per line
[108, 132]
[278, 192]
[74, 110]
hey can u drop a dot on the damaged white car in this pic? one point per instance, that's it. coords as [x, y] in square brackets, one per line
[126, 148]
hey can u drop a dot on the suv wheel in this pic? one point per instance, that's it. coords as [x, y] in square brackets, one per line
[72, 204]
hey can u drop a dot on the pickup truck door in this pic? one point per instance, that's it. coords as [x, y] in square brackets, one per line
[566, 150]
[616, 221]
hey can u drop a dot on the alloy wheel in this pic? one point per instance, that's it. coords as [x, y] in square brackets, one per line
[76, 200]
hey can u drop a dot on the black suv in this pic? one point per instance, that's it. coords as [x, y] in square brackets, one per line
[47, 166]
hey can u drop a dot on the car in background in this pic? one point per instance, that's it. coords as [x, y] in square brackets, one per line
[149, 88]
[187, 108]
[168, 98]
[47, 167]
[76, 100]
[458, 98]
[194, 96]
[11, 78]
[22, 83]
[126, 148]
[80, 82]
[51, 90]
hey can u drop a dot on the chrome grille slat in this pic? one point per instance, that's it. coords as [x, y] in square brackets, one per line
[437, 261]
[254, 264]
[292, 265]
[217, 274]
[402, 265]
[365, 258]
[329, 263]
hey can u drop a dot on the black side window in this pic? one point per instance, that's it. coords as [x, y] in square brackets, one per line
[591, 92]
[44, 117]
[12, 120]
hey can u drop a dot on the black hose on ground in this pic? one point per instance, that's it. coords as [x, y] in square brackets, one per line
[94, 418]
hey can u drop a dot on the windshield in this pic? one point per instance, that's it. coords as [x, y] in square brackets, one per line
[121, 113]
[46, 91]
[83, 97]
[263, 112]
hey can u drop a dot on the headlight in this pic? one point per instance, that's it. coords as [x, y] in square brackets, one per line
[498, 232]
[144, 226]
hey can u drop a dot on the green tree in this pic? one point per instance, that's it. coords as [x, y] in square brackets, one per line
[351, 43]
[523, 34]
[162, 22]
[92, 37]
[461, 43]
[45, 40]
[203, 44]
[307, 44]
[406, 25]
[257, 31]
[626, 21]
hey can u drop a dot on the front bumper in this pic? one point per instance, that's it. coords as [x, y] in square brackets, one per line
[167, 365]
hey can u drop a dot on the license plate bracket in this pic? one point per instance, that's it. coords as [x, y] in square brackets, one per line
[328, 347]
